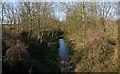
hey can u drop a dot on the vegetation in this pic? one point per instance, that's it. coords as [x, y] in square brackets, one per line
[30, 32]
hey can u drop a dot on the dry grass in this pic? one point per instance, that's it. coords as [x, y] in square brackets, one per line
[99, 50]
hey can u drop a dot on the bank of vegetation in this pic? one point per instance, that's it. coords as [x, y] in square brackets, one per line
[30, 31]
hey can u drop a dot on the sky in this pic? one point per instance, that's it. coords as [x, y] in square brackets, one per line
[63, 0]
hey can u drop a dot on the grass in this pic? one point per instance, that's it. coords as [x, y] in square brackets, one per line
[94, 52]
